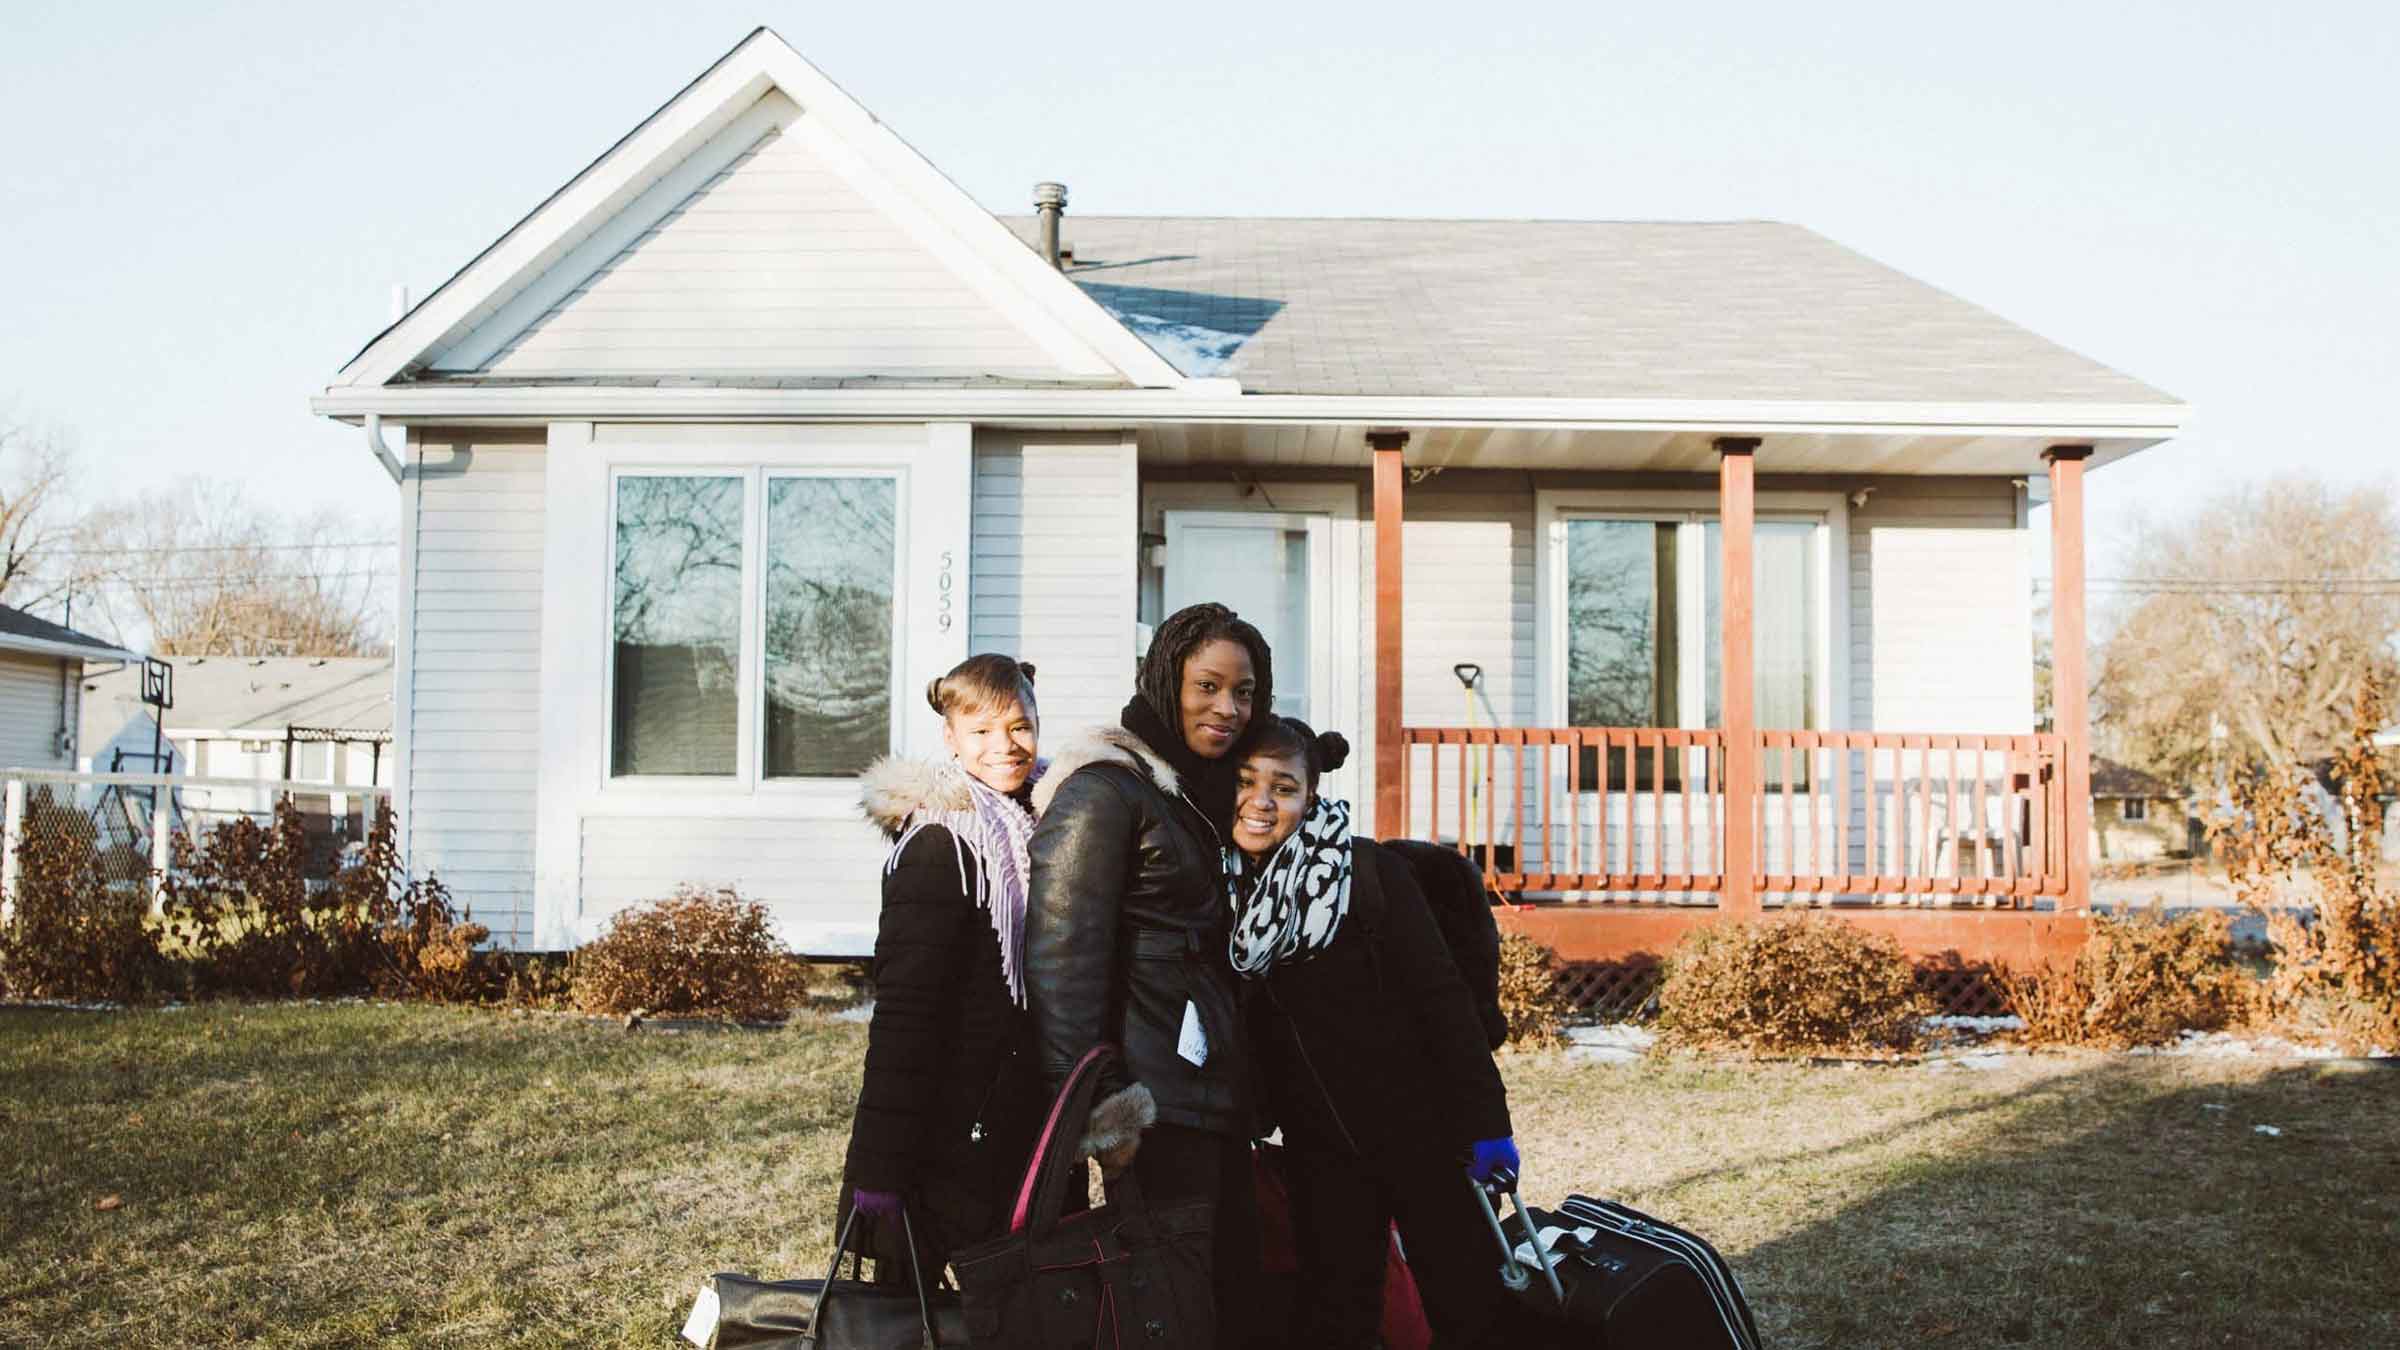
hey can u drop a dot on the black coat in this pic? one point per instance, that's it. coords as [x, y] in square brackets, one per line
[1374, 1044]
[950, 1104]
[1128, 926]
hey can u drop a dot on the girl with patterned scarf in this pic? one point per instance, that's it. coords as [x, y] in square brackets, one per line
[950, 1103]
[1369, 1053]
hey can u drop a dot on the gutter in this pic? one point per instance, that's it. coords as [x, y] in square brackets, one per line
[383, 453]
[10, 642]
[533, 405]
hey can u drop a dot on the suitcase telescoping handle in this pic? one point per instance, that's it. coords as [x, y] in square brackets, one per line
[1512, 1271]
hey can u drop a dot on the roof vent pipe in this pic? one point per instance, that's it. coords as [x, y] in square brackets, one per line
[1050, 203]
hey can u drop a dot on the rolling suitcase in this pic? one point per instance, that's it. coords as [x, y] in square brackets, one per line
[1631, 1281]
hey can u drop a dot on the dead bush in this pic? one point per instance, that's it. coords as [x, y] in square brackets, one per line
[1529, 997]
[241, 912]
[72, 932]
[2139, 979]
[1791, 985]
[701, 953]
[2333, 974]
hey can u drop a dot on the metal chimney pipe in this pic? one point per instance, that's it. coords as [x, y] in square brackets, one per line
[1050, 203]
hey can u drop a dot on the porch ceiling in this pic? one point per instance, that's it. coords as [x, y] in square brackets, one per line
[1344, 446]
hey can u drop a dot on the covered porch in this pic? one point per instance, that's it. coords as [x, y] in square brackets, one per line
[1617, 839]
[1888, 783]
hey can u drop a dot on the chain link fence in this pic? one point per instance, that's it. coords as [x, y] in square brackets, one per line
[129, 821]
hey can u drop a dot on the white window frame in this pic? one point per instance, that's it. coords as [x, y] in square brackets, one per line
[1555, 508]
[749, 775]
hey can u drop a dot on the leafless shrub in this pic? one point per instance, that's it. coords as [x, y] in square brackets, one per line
[2139, 979]
[700, 953]
[1791, 985]
[2335, 974]
[1529, 996]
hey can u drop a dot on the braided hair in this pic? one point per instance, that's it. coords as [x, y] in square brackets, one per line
[1187, 630]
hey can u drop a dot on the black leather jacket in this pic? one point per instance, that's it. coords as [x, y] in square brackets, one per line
[1127, 926]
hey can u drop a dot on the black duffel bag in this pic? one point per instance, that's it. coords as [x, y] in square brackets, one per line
[831, 1314]
[1120, 1277]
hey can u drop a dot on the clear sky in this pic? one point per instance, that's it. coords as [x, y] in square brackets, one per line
[206, 207]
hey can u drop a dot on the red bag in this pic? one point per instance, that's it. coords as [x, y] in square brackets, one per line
[1404, 1324]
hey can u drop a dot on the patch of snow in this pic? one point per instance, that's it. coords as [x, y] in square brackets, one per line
[1982, 1026]
[2269, 1131]
[65, 1005]
[1188, 347]
[1610, 1042]
[859, 1012]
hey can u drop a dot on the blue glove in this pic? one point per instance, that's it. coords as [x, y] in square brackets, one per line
[1496, 1162]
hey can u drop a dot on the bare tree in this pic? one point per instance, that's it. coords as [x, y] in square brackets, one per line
[36, 532]
[208, 573]
[2263, 612]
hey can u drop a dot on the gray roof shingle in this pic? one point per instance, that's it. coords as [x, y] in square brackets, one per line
[19, 624]
[1585, 309]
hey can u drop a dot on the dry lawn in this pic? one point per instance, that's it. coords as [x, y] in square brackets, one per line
[359, 1174]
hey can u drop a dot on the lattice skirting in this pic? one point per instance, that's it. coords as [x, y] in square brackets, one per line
[1622, 991]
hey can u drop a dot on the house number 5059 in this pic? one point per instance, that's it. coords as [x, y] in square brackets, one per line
[942, 610]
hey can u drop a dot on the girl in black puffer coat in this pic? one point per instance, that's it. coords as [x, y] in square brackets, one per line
[950, 1102]
[1370, 1054]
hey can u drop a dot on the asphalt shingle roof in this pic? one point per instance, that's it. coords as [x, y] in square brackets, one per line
[18, 623]
[1593, 309]
[237, 693]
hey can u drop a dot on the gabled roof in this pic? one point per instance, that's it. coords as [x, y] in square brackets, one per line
[2113, 780]
[262, 695]
[1741, 310]
[22, 632]
[752, 94]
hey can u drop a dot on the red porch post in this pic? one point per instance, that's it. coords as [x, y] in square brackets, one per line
[1735, 508]
[1391, 756]
[2070, 713]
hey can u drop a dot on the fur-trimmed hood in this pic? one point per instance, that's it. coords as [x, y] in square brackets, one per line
[896, 787]
[1101, 745]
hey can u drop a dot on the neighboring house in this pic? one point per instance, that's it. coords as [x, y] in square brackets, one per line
[42, 667]
[317, 719]
[2135, 817]
[711, 462]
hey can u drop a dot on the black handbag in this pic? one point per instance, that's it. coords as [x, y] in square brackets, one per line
[1120, 1277]
[832, 1314]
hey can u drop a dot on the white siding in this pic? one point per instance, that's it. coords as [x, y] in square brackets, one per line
[474, 672]
[819, 878]
[1467, 582]
[776, 265]
[1053, 579]
[30, 690]
[1941, 610]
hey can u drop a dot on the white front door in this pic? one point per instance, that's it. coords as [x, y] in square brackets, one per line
[1276, 569]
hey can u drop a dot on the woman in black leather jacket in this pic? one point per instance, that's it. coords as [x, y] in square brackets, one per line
[1125, 940]
[1370, 1056]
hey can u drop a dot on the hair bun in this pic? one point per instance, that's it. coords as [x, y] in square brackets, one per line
[1332, 750]
[1025, 668]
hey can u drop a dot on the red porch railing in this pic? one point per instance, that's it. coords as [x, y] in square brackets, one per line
[1639, 813]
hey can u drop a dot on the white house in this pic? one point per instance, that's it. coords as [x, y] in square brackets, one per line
[317, 719]
[41, 688]
[710, 462]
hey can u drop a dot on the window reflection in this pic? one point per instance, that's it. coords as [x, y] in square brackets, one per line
[678, 625]
[830, 561]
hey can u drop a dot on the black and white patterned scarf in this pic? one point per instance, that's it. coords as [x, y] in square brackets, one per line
[1290, 906]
